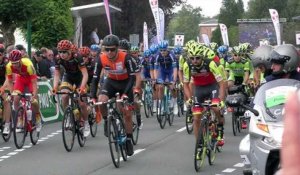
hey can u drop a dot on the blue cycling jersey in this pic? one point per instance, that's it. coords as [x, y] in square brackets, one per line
[165, 63]
[146, 65]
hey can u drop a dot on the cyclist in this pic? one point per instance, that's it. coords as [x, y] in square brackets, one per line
[285, 60]
[124, 45]
[25, 80]
[121, 76]
[134, 52]
[89, 62]
[5, 114]
[75, 75]
[206, 78]
[238, 68]
[154, 52]
[166, 71]
[94, 51]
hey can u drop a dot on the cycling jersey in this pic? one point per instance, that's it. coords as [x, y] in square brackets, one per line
[90, 66]
[206, 74]
[23, 76]
[165, 67]
[182, 60]
[237, 69]
[120, 69]
[71, 66]
[146, 65]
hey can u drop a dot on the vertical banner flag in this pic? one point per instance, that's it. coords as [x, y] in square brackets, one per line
[224, 34]
[106, 5]
[155, 12]
[145, 37]
[162, 23]
[179, 40]
[205, 39]
[275, 19]
[298, 38]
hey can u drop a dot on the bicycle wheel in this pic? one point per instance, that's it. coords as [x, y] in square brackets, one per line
[189, 121]
[34, 135]
[113, 141]
[171, 118]
[135, 129]
[163, 114]
[146, 103]
[200, 148]
[20, 128]
[68, 129]
[79, 131]
[212, 144]
[122, 139]
[93, 123]
[234, 124]
[180, 103]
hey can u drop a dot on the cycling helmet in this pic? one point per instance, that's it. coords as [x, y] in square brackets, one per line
[261, 56]
[124, 44]
[95, 48]
[154, 48]
[177, 50]
[64, 45]
[84, 51]
[74, 48]
[209, 53]
[214, 46]
[163, 45]
[195, 50]
[134, 49]
[147, 53]
[15, 56]
[286, 55]
[110, 40]
[189, 43]
[236, 50]
[222, 49]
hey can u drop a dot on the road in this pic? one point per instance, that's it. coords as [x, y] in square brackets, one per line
[167, 151]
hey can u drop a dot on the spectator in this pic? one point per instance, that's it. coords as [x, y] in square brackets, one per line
[50, 60]
[21, 48]
[94, 36]
[42, 66]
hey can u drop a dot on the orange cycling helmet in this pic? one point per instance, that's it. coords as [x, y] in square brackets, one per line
[64, 45]
[84, 51]
[15, 56]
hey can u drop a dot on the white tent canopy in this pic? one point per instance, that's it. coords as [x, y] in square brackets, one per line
[85, 11]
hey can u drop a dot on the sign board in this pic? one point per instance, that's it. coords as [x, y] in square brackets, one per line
[179, 40]
[134, 39]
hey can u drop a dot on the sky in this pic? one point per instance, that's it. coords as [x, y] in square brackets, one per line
[210, 8]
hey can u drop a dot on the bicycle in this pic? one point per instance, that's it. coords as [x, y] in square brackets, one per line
[206, 143]
[189, 120]
[6, 137]
[24, 121]
[237, 110]
[148, 98]
[180, 100]
[92, 118]
[165, 110]
[116, 130]
[72, 124]
[135, 122]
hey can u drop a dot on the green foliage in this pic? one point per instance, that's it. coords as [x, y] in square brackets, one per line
[186, 22]
[233, 36]
[217, 37]
[52, 24]
[230, 12]
[260, 8]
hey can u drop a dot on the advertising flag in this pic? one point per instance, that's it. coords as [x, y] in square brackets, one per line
[275, 19]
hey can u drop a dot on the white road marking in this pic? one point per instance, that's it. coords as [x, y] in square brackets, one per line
[239, 165]
[55, 133]
[228, 170]
[138, 151]
[27, 146]
[6, 147]
[4, 157]
[19, 150]
[12, 153]
[59, 131]
[1, 160]
[1, 150]
[50, 135]
[181, 129]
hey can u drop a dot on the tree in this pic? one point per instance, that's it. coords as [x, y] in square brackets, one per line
[52, 24]
[260, 8]
[14, 13]
[186, 21]
[231, 11]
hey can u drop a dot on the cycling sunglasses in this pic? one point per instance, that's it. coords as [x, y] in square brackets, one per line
[63, 51]
[112, 49]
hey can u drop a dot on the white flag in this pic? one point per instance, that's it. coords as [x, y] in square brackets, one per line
[224, 34]
[162, 23]
[275, 19]
[145, 37]
[155, 12]
[298, 38]
[205, 39]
